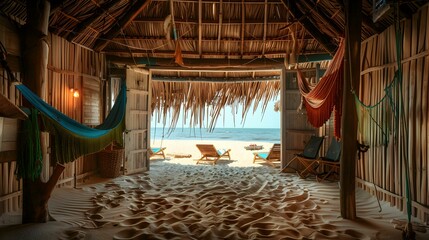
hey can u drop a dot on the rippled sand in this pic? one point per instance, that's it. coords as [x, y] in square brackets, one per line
[226, 201]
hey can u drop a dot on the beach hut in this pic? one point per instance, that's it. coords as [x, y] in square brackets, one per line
[194, 57]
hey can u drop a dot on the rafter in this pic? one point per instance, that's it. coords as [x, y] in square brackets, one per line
[243, 17]
[324, 40]
[325, 19]
[126, 19]
[219, 35]
[200, 28]
[264, 38]
[99, 11]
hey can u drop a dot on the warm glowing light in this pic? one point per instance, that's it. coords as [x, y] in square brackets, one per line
[76, 94]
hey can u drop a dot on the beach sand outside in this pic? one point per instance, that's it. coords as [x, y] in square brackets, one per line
[236, 199]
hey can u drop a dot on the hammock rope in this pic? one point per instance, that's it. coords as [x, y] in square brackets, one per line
[320, 100]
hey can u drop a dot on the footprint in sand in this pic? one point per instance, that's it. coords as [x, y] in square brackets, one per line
[356, 235]
[131, 222]
[95, 217]
[73, 234]
[129, 234]
[94, 210]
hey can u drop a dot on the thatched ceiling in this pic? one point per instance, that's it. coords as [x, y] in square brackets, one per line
[246, 33]
[220, 41]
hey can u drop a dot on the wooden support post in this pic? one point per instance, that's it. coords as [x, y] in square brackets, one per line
[283, 119]
[35, 59]
[36, 195]
[349, 116]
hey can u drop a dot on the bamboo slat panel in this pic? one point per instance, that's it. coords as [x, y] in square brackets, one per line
[72, 68]
[392, 138]
[91, 103]
[10, 187]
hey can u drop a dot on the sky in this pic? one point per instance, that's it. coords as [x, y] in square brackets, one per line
[270, 119]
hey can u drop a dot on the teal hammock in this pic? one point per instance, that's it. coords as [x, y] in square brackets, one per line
[73, 139]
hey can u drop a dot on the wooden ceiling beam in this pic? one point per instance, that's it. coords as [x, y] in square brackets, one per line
[255, 2]
[200, 27]
[219, 34]
[205, 55]
[264, 37]
[216, 79]
[326, 41]
[211, 63]
[243, 26]
[160, 69]
[99, 11]
[158, 20]
[123, 22]
[162, 38]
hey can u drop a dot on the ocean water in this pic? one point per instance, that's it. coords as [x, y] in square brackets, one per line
[238, 134]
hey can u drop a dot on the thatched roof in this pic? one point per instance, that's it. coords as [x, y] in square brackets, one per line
[226, 35]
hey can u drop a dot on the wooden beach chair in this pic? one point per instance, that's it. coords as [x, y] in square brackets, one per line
[157, 152]
[330, 162]
[308, 158]
[210, 154]
[271, 157]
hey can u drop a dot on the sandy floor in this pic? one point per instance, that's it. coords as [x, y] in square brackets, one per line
[236, 199]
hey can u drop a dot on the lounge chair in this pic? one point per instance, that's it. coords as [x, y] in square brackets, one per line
[271, 157]
[308, 158]
[331, 161]
[157, 152]
[210, 154]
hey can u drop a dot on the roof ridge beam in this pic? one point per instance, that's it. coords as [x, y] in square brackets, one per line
[127, 18]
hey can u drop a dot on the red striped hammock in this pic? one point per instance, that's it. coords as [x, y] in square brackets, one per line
[326, 96]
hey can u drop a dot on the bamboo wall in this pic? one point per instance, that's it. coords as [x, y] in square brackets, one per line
[69, 67]
[72, 68]
[397, 143]
[10, 187]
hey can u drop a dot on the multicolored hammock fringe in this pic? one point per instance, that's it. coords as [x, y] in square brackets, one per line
[73, 139]
[326, 96]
